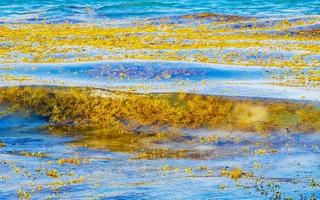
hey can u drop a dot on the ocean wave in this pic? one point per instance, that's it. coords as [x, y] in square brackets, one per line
[160, 76]
[57, 10]
[136, 4]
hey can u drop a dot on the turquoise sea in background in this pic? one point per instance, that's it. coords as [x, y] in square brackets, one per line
[91, 10]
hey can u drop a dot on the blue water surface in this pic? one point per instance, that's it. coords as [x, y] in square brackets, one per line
[93, 10]
[113, 175]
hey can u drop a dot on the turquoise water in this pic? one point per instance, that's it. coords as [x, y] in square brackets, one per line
[93, 10]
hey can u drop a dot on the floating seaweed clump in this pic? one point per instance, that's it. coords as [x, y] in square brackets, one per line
[140, 121]
[34, 154]
[2, 144]
[82, 107]
[207, 38]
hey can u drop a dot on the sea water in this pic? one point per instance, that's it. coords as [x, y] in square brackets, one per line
[95, 10]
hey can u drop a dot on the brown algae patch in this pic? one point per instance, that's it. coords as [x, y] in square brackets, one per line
[2, 144]
[41, 43]
[231, 40]
[143, 123]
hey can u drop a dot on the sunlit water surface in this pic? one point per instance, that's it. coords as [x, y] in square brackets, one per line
[111, 175]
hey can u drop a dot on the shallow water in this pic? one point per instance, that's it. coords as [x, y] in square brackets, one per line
[158, 76]
[111, 175]
[97, 10]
